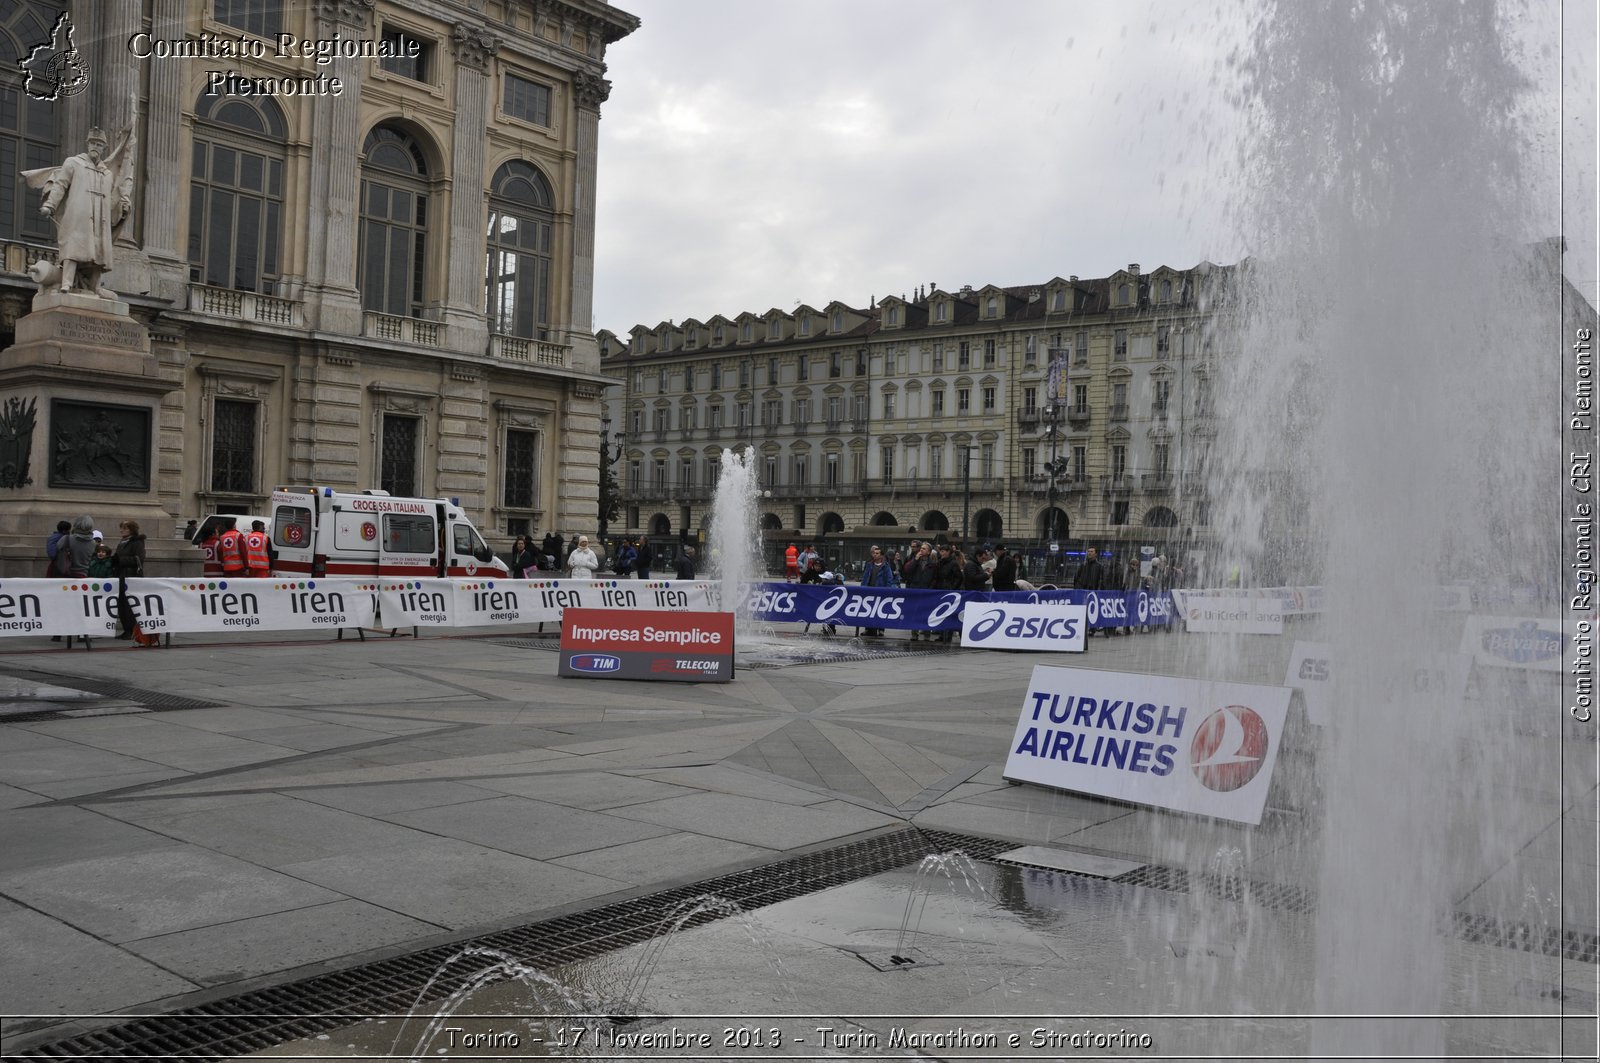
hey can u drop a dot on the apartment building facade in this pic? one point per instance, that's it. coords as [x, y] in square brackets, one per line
[1074, 410]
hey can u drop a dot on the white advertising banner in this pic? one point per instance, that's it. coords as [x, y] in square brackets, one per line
[1231, 614]
[1185, 744]
[162, 606]
[1285, 601]
[1311, 671]
[1007, 626]
[1514, 642]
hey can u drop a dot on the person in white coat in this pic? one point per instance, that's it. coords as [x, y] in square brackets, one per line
[582, 561]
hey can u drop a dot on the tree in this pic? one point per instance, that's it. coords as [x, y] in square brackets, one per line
[610, 500]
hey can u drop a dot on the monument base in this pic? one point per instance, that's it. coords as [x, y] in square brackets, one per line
[80, 404]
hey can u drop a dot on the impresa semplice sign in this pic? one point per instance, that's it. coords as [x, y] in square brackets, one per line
[1185, 744]
[693, 647]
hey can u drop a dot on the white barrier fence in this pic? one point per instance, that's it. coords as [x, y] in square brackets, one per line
[90, 606]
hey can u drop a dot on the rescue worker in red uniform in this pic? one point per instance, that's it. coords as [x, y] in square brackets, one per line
[791, 563]
[230, 552]
[257, 555]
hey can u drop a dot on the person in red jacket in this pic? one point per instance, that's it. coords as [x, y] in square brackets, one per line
[791, 563]
[257, 552]
[230, 551]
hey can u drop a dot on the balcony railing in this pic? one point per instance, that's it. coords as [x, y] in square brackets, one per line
[403, 329]
[16, 256]
[1028, 415]
[1118, 486]
[1119, 411]
[1158, 411]
[858, 425]
[1078, 416]
[541, 353]
[244, 306]
[1156, 482]
[832, 425]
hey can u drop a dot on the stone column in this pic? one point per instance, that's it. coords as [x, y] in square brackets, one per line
[333, 304]
[464, 309]
[163, 103]
[590, 91]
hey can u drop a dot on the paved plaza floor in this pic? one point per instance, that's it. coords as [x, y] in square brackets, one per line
[184, 824]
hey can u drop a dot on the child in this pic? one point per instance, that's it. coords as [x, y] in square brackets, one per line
[100, 567]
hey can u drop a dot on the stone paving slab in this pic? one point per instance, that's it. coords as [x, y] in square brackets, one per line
[343, 812]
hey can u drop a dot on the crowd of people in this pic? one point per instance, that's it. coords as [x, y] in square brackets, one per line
[628, 558]
[78, 550]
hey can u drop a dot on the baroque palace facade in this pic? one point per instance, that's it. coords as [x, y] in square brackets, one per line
[1075, 410]
[384, 286]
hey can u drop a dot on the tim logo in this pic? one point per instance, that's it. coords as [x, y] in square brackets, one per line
[1523, 644]
[595, 662]
[54, 69]
[1229, 748]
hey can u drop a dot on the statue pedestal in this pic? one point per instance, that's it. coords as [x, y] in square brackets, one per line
[80, 405]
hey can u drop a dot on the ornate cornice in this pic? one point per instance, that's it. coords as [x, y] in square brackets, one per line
[590, 90]
[474, 45]
[350, 12]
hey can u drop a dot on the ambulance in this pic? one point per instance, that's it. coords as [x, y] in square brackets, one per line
[211, 529]
[320, 531]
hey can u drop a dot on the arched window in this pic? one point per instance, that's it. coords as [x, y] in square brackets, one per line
[521, 214]
[30, 129]
[236, 193]
[394, 223]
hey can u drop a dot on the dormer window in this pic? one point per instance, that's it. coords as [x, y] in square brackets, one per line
[992, 307]
[716, 337]
[1166, 291]
[893, 316]
[665, 339]
[1058, 299]
[939, 311]
[805, 325]
[775, 329]
[694, 337]
[1124, 294]
[838, 321]
[747, 332]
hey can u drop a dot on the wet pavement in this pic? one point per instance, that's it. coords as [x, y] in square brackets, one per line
[181, 825]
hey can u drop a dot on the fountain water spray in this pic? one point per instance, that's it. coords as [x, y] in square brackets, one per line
[736, 559]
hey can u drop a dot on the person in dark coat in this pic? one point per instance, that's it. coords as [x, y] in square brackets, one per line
[1005, 570]
[973, 577]
[522, 559]
[127, 561]
[643, 559]
[685, 564]
[1090, 577]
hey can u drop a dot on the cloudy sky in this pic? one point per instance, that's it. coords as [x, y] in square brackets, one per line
[759, 155]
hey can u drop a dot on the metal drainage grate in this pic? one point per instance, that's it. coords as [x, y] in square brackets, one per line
[148, 700]
[263, 1018]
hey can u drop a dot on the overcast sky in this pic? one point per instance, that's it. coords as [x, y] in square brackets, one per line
[759, 155]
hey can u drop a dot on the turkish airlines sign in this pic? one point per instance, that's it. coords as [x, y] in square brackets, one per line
[1185, 744]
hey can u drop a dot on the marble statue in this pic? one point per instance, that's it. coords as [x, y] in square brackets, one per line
[88, 196]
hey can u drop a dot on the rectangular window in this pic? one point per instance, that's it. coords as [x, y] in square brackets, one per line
[398, 474]
[886, 462]
[522, 469]
[1163, 391]
[936, 463]
[744, 374]
[835, 411]
[716, 377]
[861, 363]
[1030, 351]
[1080, 398]
[529, 101]
[858, 467]
[663, 419]
[264, 18]
[988, 354]
[832, 471]
[685, 473]
[938, 357]
[411, 55]
[804, 325]
[1080, 463]
[1030, 399]
[1163, 341]
[661, 380]
[715, 416]
[861, 411]
[804, 369]
[988, 400]
[964, 355]
[802, 470]
[773, 413]
[635, 423]
[986, 461]
[744, 416]
[772, 372]
[771, 474]
[291, 526]
[938, 402]
[802, 412]
[688, 379]
[1081, 357]
[1119, 394]
[658, 474]
[1029, 462]
[233, 446]
[835, 366]
[633, 479]
[409, 533]
[1163, 458]
[1119, 460]
[888, 405]
[963, 400]
[1119, 511]
[1119, 345]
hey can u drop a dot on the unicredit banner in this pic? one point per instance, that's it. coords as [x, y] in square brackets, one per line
[163, 606]
[924, 610]
[685, 647]
[1184, 744]
[1017, 626]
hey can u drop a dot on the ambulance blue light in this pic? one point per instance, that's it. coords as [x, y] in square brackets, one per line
[456, 501]
[327, 492]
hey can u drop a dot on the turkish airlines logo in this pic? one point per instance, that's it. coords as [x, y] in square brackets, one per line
[1229, 748]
